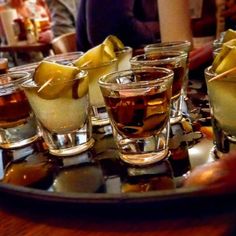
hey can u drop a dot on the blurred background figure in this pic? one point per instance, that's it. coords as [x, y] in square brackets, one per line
[230, 14]
[63, 14]
[36, 11]
[203, 21]
[135, 22]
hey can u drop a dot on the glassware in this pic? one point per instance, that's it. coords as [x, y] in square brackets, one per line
[30, 68]
[138, 104]
[17, 122]
[64, 119]
[174, 60]
[217, 43]
[223, 111]
[172, 45]
[123, 56]
[64, 58]
[181, 45]
[99, 113]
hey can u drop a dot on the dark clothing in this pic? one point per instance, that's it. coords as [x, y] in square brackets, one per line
[135, 22]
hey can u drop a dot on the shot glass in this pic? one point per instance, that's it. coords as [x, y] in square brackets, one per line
[222, 99]
[30, 68]
[64, 118]
[174, 60]
[17, 122]
[99, 113]
[123, 56]
[138, 104]
[64, 58]
[172, 45]
[218, 42]
[181, 45]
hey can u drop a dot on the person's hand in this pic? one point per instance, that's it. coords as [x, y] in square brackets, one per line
[45, 36]
[220, 173]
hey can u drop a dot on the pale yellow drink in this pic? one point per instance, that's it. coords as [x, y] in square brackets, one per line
[59, 97]
[94, 73]
[222, 94]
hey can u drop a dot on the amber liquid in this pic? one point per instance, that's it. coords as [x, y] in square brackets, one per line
[179, 71]
[140, 115]
[14, 108]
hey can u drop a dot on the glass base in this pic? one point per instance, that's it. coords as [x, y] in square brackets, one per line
[23, 132]
[176, 119]
[99, 116]
[73, 150]
[19, 144]
[144, 159]
[100, 122]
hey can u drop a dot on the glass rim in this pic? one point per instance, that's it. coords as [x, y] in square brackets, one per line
[29, 83]
[28, 67]
[160, 80]
[169, 44]
[209, 72]
[17, 78]
[64, 56]
[103, 64]
[124, 49]
[181, 55]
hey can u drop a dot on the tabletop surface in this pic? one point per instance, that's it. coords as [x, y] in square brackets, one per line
[23, 220]
[215, 217]
[22, 46]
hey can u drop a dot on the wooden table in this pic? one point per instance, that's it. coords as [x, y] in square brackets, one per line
[25, 47]
[26, 221]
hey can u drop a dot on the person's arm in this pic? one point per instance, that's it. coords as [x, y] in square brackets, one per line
[116, 17]
[200, 56]
[62, 18]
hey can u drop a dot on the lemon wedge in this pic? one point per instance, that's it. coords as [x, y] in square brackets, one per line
[53, 78]
[102, 53]
[229, 34]
[227, 62]
[80, 87]
[94, 57]
[114, 43]
[226, 47]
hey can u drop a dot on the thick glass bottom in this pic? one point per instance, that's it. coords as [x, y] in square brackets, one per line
[20, 143]
[144, 159]
[73, 150]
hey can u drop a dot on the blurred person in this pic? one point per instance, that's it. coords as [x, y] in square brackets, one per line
[135, 22]
[230, 14]
[63, 14]
[35, 9]
[203, 21]
[204, 54]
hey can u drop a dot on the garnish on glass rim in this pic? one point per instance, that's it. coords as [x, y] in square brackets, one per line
[222, 75]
